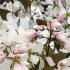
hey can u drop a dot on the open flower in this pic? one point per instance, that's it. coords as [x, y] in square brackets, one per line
[64, 64]
[20, 62]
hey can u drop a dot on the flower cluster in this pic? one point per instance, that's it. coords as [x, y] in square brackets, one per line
[25, 38]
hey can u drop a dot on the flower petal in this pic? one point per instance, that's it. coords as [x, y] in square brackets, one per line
[34, 59]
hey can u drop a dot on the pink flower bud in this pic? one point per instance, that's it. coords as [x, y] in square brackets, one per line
[19, 50]
[2, 56]
[31, 34]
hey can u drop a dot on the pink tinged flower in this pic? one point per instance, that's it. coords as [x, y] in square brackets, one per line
[19, 50]
[2, 56]
[38, 27]
[61, 17]
[60, 36]
[31, 34]
[55, 23]
[20, 67]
